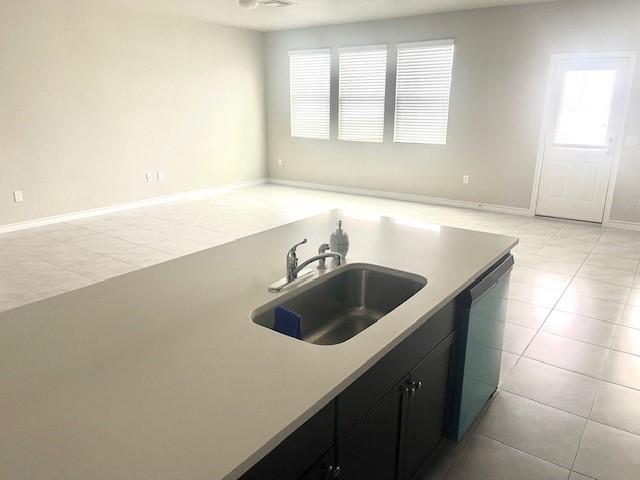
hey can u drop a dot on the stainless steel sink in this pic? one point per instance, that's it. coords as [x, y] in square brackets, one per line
[343, 303]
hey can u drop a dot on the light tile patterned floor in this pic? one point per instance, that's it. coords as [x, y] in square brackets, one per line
[570, 387]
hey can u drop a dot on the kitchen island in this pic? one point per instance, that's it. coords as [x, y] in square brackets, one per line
[161, 373]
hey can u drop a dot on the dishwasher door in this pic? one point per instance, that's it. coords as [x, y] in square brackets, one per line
[479, 353]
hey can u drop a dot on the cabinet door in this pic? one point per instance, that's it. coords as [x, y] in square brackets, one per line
[323, 469]
[362, 394]
[300, 450]
[427, 408]
[369, 451]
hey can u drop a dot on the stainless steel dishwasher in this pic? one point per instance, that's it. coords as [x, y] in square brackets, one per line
[482, 310]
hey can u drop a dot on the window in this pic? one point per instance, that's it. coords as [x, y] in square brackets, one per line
[585, 108]
[310, 80]
[363, 76]
[423, 84]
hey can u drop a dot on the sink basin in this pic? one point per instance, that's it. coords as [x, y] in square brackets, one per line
[343, 303]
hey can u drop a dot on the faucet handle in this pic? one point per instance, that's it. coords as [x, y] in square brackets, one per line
[292, 250]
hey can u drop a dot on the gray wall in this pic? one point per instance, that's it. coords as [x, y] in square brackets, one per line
[93, 98]
[500, 73]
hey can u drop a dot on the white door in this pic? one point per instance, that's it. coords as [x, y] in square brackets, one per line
[585, 121]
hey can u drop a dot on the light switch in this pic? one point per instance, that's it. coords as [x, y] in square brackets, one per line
[17, 196]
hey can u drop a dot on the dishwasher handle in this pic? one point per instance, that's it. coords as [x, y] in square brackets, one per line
[488, 282]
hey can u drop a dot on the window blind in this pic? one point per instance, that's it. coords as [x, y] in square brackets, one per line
[309, 83]
[423, 84]
[363, 75]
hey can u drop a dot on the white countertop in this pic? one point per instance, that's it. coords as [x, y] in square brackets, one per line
[160, 374]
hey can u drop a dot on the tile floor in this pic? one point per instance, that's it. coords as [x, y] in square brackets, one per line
[569, 401]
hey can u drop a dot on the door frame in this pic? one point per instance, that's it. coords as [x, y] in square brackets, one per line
[631, 57]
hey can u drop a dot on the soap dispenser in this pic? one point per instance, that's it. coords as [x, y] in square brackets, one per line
[339, 241]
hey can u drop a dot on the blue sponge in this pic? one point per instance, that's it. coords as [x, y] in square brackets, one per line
[288, 322]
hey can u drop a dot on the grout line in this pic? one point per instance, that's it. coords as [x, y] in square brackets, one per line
[522, 451]
[600, 380]
[552, 308]
[540, 329]
[605, 347]
[539, 402]
[595, 398]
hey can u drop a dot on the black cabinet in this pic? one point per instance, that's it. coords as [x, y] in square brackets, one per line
[363, 394]
[324, 468]
[427, 406]
[394, 438]
[383, 426]
[369, 450]
[300, 450]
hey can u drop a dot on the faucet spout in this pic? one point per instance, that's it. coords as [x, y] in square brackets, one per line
[294, 269]
[321, 258]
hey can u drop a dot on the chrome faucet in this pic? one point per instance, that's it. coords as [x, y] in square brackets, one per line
[293, 269]
[292, 262]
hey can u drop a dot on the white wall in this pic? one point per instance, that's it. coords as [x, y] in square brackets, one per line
[498, 93]
[92, 98]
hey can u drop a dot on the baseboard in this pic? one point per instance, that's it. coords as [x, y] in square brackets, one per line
[623, 225]
[407, 197]
[174, 197]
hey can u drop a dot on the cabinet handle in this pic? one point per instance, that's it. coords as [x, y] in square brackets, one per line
[333, 472]
[413, 387]
[329, 474]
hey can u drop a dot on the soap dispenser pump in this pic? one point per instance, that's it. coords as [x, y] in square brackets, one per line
[339, 241]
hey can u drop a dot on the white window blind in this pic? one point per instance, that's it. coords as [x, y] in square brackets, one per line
[363, 75]
[310, 86]
[423, 84]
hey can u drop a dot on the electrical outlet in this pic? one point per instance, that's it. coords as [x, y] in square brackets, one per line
[149, 177]
[465, 179]
[279, 162]
[17, 196]
[631, 140]
[160, 176]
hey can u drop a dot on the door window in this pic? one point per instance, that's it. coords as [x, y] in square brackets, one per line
[584, 109]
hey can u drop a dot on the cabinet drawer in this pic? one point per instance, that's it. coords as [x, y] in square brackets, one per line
[363, 394]
[299, 451]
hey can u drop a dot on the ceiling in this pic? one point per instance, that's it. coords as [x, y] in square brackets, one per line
[307, 12]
